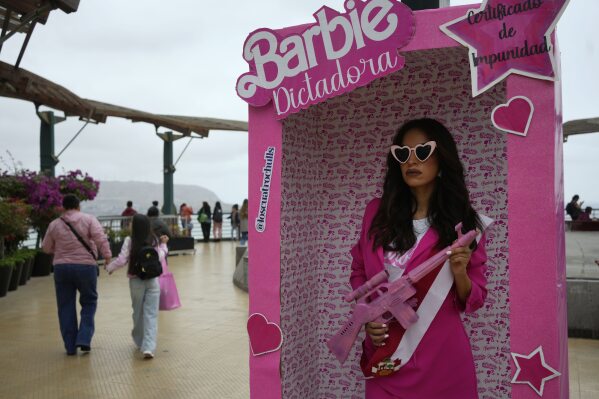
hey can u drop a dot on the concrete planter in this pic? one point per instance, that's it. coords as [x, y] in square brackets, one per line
[26, 272]
[181, 244]
[16, 276]
[5, 275]
[240, 276]
[42, 265]
[583, 308]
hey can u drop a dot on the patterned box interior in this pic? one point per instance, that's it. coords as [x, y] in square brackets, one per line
[333, 164]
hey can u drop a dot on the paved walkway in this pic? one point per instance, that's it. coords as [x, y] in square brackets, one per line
[583, 368]
[202, 347]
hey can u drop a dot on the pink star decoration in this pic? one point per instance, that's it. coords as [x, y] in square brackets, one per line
[533, 370]
[508, 36]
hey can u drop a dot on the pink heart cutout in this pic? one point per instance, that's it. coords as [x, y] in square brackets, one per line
[515, 116]
[265, 337]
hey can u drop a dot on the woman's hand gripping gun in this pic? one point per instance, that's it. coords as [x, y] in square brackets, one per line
[392, 299]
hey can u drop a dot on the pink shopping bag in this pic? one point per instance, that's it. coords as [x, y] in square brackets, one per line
[169, 296]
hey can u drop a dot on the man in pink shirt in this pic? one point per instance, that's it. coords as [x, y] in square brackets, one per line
[75, 269]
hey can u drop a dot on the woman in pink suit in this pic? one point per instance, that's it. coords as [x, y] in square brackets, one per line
[424, 197]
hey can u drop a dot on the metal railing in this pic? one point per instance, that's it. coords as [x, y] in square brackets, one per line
[116, 226]
[118, 223]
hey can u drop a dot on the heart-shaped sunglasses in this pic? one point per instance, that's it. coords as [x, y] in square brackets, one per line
[422, 151]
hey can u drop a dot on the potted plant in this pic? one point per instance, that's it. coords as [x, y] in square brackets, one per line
[12, 185]
[13, 224]
[16, 272]
[6, 268]
[26, 256]
[179, 242]
[116, 238]
[13, 230]
[31, 255]
[79, 184]
[45, 193]
[42, 264]
[43, 196]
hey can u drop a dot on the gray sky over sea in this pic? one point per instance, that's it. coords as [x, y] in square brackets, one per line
[183, 58]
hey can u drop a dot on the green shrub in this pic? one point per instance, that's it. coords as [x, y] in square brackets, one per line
[8, 262]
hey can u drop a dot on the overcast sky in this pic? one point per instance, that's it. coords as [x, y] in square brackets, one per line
[183, 57]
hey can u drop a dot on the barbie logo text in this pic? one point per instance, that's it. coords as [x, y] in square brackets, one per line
[296, 68]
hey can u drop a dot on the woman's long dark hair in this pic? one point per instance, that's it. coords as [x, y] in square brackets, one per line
[141, 236]
[243, 212]
[449, 203]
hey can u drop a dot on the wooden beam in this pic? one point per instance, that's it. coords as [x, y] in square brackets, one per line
[581, 126]
[24, 85]
[25, 43]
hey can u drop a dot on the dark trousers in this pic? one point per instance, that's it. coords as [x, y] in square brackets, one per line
[68, 279]
[206, 231]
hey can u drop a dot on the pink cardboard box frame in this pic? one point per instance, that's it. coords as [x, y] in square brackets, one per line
[536, 252]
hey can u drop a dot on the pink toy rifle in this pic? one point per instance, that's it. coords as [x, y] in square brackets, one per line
[392, 299]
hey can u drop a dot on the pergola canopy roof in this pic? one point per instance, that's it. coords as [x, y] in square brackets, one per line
[25, 7]
[24, 85]
[21, 16]
[581, 126]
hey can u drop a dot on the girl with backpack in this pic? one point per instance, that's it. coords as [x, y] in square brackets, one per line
[217, 218]
[143, 283]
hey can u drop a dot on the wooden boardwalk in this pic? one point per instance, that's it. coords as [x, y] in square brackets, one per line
[202, 347]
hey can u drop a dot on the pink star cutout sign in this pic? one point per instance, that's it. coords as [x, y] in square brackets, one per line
[508, 36]
[533, 370]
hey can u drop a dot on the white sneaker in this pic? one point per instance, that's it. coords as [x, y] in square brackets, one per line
[148, 355]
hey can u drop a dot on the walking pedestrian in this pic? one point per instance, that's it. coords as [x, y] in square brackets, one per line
[145, 293]
[75, 239]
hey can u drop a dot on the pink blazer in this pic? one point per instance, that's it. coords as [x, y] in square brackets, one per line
[366, 262]
[431, 370]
